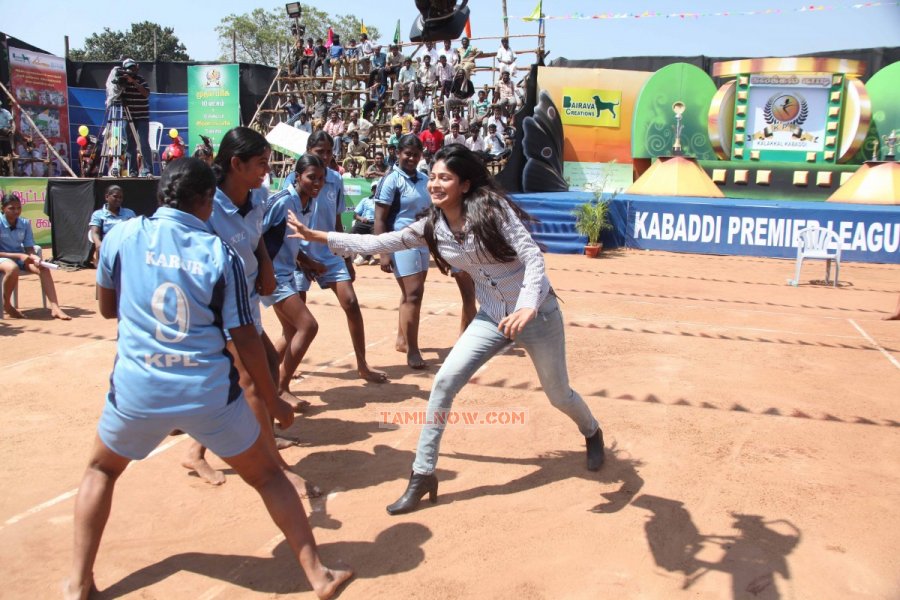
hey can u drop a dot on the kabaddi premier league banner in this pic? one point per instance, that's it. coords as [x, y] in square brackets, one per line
[214, 104]
[38, 82]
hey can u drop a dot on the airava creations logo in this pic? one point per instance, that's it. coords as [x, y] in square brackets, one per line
[598, 108]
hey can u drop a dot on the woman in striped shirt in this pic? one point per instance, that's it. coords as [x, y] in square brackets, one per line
[475, 227]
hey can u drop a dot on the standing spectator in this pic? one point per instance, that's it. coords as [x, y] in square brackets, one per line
[506, 58]
[366, 50]
[379, 64]
[135, 96]
[373, 109]
[6, 138]
[293, 108]
[432, 139]
[450, 53]
[445, 75]
[321, 109]
[352, 57]
[455, 136]
[106, 218]
[363, 222]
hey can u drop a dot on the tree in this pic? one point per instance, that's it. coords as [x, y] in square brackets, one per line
[261, 36]
[144, 42]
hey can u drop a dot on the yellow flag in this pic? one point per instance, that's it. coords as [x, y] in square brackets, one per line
[536, 13]
[362, 28]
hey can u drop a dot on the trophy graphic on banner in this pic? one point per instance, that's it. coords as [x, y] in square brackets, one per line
[890, 141]
[678, 108]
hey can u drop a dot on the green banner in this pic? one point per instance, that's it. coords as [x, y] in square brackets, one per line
[32, 191]
[355, 189]
[214, 104]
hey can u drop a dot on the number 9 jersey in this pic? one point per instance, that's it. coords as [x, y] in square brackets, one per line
[178, 287]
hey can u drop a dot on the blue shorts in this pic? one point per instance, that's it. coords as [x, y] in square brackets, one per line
[227, 430]
[410, 262]
[336, 270]
[283, 290]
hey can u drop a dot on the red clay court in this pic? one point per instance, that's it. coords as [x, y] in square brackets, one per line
[753, 438]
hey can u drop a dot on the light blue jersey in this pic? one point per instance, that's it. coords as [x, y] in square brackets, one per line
[242, 229]
[326, 207]
[366, 209]
[105, 220]
[282, 249]
[178, 288]
[407, 195]
[17, 237]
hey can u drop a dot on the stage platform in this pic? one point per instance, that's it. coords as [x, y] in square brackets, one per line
[718, 226]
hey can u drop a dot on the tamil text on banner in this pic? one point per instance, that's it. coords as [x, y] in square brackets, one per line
[32, 191]
[38, 82]
[214, 104]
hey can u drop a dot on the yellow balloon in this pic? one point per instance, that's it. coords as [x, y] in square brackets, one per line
[83, 130]
[173, 133]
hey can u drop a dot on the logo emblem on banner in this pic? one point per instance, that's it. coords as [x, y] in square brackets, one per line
[597, 108]
[214, 78]
[785, 112]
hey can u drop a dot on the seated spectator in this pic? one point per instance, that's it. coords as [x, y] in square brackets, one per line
[432, 139]
[391, 158]
[422, 106]
[6, 138]
[506, 58]
[307, 63]
[379, 65]
[499, 121]
[449, 52]
[335, 128]
[373, 109]
[456, 116]
[475, 143]
[364, 222]
[455, 136]
[406, 80]
[424, 165]
[467, 55]
[394, 63]
[394, 140]
[378, 168]
[351, 57]
[359, 124]
[303, 123]
[321, 60]
[356, 150]
[479, 110]
[336, 55]
[204, 150]
[416, 127]
[366, 51]
[496, 144]
[428, 75]
[402, 117]
[351, 169]
[293, 108]
[431, 53]
[19, 254]
[505, 95]
[443, 122]
[106, 218]
[321, 108]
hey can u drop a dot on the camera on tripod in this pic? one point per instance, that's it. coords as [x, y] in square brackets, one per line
[121, 76]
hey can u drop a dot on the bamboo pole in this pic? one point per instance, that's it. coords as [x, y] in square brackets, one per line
[38, 131]
[505, 21]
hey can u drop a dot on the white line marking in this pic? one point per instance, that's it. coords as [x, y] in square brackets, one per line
[65, 496]
[48, 355]
[875, 344]
[266, 548]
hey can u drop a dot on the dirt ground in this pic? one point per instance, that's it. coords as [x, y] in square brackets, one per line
[752, 427]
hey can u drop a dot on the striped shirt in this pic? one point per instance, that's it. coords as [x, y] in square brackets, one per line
[501, 288]
[138, 105]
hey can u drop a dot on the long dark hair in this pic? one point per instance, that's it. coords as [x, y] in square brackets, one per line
[484, 207]
[242, 143]
[184, 183]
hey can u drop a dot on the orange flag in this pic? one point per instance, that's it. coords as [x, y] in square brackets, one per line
[468, 28]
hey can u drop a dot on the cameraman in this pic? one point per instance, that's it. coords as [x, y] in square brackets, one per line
[125, 85]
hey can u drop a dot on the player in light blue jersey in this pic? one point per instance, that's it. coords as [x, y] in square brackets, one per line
[237, 217]
[18, 253]
[109, 216]
[339, 273]
[175, 289]
[298, 326]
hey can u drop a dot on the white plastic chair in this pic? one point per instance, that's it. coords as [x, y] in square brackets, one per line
[155, 135]
[820, 243]
[15, 292]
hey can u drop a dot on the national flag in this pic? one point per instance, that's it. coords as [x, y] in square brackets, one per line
[468, 28]
[536, 13]
[397, 33]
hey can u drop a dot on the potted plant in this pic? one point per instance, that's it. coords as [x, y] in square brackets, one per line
[592, 219]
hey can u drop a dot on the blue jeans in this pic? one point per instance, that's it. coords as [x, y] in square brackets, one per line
[545, 341]
[143, 130]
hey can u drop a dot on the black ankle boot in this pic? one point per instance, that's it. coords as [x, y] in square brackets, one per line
[419, 485]
[595, 456]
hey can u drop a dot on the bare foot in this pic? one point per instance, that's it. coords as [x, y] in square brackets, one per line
[893, 317]
[296, 403]
[415, 360]
[57, 313]
[13, 312]
[371, 375]
[330, 581]
[400, 345]
[78, 592]
[204, 470]
[298, 376]
[305, 489]
[283, 443]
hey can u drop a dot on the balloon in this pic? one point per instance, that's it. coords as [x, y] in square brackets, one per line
[82, 141]
[173, 133]
[83, 130]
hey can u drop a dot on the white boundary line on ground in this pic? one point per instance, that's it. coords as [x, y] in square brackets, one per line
[875, 344]
[64, 350]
